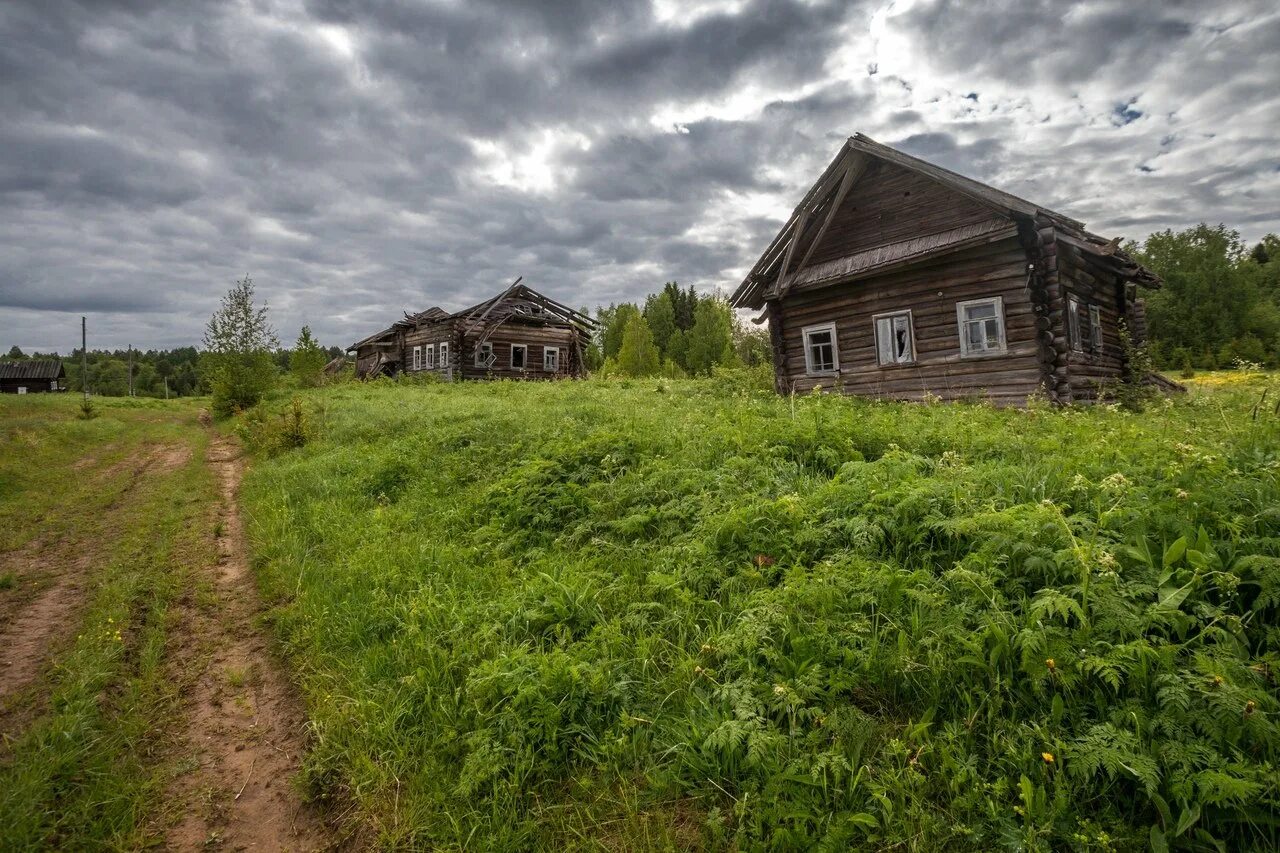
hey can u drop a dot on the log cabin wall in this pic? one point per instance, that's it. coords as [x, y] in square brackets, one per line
[431, 334]
[1048, 297]
[535, 338]
[1092, 369]
[930, 290]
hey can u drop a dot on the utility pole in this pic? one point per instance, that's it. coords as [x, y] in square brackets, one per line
[130, 370]
[166, 387]
[84, 360]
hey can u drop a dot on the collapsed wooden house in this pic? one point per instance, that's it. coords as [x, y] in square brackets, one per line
[518, 334]
[899, 279]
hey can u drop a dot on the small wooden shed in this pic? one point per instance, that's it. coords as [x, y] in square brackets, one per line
[32, 376]
[518, 334]
[899, 279]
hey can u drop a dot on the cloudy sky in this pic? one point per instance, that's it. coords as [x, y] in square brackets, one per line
[362, 158]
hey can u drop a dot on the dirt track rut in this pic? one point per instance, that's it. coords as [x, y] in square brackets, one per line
[244, 723]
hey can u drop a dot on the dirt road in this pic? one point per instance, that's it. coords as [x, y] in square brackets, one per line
[244, 722]
[134, 666]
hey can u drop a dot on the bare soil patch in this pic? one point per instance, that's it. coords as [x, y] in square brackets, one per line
[245, 725]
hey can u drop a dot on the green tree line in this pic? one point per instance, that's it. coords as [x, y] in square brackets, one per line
[675, 332]
[243, 361]
[1220, 301]
[109, 370]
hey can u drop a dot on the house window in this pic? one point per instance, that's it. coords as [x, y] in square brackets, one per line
[895, 339]
[1095, 328]
[429, 356]
[821, 354]
[444, 355]
[484, 355]
[981, 326]
[417, 358]
[550, 359]
[519, 356]
[1073, 324]
[53, 386]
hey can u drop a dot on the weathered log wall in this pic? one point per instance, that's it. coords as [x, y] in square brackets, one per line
[1092, 285]
[535, 338]
[1044, 287]
[931, 290]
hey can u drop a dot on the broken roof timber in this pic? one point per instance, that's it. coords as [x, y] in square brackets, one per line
[511, 303]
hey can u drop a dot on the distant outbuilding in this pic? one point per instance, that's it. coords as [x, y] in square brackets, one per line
[32, 376]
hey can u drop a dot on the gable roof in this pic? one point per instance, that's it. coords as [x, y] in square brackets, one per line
[999, 199]
[38, 369]
[774, 273]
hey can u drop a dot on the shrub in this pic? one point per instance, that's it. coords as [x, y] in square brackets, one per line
[292, 427]
[237, 362]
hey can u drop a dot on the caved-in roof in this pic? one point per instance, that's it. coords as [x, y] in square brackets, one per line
[518, 302]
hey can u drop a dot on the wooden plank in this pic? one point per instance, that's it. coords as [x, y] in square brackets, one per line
[854, 171]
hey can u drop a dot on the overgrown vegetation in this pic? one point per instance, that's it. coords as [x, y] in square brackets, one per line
[307, 360]
[1220, 302]
[236, 364]
[655, 613]
[676, 333]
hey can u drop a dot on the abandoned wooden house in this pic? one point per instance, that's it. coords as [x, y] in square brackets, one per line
[899, 279]
[32, 376]
[518, 334]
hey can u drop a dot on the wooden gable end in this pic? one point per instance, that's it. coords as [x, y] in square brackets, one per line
[889, 204]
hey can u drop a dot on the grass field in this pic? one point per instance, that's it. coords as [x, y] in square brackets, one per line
[650, 614]
[99, 521]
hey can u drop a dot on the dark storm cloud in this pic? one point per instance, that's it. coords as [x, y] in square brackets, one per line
[1067, 42]
[362, 158]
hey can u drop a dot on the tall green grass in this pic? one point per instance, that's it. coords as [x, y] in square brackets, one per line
[652, 614]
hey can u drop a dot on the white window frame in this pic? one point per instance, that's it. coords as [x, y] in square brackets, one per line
[911, 334]
[551, 359]
[483, 351]
[429, 357]
[1003, 343]
[1095, 328]
[417, 358]
[1074, 338]
[53, 385]
[444, 355]
[524, 348]
[808, 351]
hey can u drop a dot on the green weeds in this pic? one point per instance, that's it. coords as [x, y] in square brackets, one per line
[663, 613]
